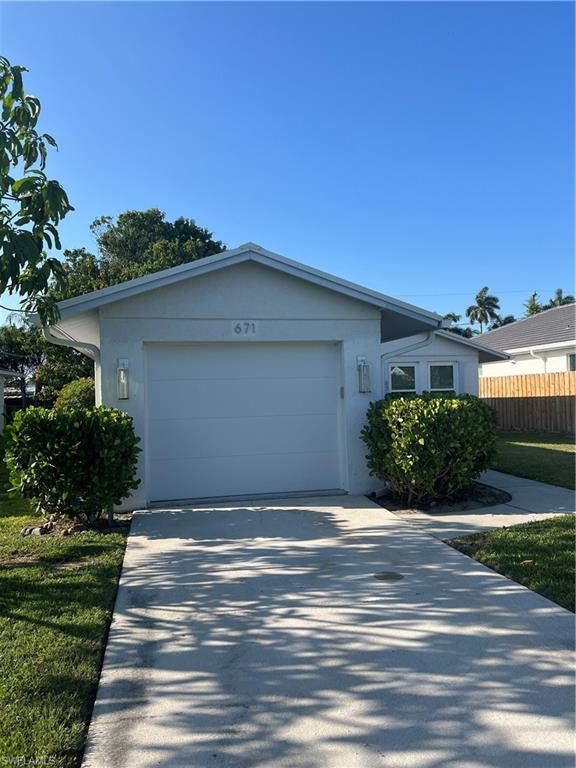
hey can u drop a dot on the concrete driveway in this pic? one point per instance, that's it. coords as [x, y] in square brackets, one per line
[257, 637]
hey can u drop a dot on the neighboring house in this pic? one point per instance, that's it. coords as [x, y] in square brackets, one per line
[5, 375]
[543, 343]
[247, 373]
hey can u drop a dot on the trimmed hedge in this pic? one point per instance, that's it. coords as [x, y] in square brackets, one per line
[78, 393]
[74, 462]
[429, 447]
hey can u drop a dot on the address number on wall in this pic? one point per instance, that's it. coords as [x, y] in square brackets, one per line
[244, 328]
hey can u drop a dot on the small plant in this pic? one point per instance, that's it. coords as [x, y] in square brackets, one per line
[431, 446]
[73, 462]
[77, 394]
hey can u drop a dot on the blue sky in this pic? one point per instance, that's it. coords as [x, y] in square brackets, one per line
[422, 149]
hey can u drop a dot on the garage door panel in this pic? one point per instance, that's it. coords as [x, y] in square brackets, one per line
[235, 475]
[170, 362]
[194, 438]
[225, 398]
[243, 418]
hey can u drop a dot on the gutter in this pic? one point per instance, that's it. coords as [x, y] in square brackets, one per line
[90, 350]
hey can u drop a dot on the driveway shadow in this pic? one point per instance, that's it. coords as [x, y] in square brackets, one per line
[258, 637]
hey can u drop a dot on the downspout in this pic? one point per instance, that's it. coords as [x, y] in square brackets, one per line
[90, 350]
[543, 358]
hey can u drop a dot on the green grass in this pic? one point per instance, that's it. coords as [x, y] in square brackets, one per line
[548, 458]
[53, 625]
[539, 555]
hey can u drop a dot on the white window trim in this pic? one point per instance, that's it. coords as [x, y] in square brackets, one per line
[402, 364]
[455, 377]
[568, 356]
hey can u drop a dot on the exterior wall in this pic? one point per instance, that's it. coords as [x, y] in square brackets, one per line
[204, 309]
[425, 349]
[548, 361]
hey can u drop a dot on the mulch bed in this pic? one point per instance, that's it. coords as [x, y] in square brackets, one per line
[477, 495]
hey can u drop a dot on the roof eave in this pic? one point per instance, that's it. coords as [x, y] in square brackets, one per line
[485, 354]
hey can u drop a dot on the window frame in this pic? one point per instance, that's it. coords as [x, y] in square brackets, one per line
[403, 364]
[571, 361]
[455, 378]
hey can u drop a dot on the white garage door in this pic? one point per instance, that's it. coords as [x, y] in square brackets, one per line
[244, 418]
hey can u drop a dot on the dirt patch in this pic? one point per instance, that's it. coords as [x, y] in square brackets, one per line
[475, 496]
[14, 561]
[73, 565]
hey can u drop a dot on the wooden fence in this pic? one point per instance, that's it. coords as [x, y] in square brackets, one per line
[539, 402]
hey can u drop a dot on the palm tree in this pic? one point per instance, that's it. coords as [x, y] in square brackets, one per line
[499, 321]
[485, 309]
[558, 300]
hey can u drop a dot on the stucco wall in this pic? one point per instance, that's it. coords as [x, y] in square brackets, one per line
[203, 308]
[434, 349]
[548, 361]
[287, 309]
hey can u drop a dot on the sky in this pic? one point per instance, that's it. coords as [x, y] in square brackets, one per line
[421, 149]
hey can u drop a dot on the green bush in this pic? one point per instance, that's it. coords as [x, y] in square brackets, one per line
[429, 447]
[77, 394]
[74, 462]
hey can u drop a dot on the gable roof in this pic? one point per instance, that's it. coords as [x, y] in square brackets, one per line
[552, 326]
[247, 252]
[484, 355]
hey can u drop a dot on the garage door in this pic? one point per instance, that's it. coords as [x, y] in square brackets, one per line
[244, 418]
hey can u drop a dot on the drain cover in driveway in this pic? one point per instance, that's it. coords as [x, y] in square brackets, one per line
[388, 576]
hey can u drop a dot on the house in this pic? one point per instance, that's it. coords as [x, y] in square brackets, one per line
[5, 375]
[542, 343]
[250, 374]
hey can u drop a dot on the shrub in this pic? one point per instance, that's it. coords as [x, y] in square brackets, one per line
[431, 446]
[75, 462]
[78, 394]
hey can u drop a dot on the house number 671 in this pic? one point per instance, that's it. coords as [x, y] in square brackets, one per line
[245, 328]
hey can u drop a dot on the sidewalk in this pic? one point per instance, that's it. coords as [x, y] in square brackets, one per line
[531, 500]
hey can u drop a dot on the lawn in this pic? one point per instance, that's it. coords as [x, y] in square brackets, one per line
[56, 600]
[538, 456]
[539, 555]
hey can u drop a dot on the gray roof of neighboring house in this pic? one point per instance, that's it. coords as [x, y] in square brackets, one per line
[553, 326]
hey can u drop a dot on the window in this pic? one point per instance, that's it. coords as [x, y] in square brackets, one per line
[442, 378]
[402, 378]
[572, 362]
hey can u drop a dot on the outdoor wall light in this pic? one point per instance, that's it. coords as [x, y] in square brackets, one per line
[122, 378]
[363, 375]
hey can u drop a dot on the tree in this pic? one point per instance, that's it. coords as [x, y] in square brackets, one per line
[454, 318]
[21, 351]
[533, 305]
[59, 366]
[31, 205]
[24, 350]
[559, 299]
[484, 310]
[135, 244]
[500, 320]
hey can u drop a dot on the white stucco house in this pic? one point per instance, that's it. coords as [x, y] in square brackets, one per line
[542, 343]
[250, 374]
